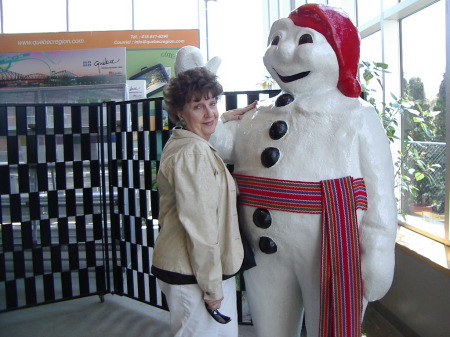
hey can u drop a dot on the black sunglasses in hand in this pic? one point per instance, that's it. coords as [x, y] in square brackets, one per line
[222, 319]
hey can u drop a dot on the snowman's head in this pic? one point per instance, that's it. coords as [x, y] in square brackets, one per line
[314, 49]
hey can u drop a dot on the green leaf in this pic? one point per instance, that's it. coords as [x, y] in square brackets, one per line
[418, 176]
[381, 65]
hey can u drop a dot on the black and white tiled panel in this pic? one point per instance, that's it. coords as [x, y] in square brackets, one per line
[51, 238]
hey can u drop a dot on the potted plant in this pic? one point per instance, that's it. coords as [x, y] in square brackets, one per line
[413, 174]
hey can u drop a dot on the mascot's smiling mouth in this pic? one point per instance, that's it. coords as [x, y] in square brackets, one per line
[287, 79]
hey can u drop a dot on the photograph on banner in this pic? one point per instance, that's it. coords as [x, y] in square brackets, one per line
[63, 68]
[156, 78]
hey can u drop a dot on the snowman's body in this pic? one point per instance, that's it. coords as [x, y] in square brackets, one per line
[328, 136]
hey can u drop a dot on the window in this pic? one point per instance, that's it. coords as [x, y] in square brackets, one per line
[411, 40]
[371, 52]
[368, 10]
[88, 15]
[423, 61]
[237, 35]
[24, 16]
[167, 14]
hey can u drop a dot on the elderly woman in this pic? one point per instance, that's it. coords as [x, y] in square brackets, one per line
[198, 250]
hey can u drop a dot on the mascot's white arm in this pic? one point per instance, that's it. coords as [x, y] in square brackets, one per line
[379, 225]
[223, 140]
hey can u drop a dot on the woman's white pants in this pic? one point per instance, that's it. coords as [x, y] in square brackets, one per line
[188, 315]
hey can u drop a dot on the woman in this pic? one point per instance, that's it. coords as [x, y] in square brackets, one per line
[198, 250]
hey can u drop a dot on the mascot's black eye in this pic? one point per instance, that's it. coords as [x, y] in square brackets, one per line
[275, 41]
[305, 38]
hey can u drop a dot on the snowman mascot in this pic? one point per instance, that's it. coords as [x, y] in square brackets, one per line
[315, 177]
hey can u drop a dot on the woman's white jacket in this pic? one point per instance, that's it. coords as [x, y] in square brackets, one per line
[199, 241]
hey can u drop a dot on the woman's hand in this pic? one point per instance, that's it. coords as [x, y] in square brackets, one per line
[213, 304]
[236, 114]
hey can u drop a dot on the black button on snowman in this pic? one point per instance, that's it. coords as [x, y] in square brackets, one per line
[270, 157]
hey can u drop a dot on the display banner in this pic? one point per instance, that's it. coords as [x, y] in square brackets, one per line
[63, 67]
[132, 39]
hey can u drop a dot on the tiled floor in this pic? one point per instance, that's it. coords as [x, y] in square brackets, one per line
[119, 317]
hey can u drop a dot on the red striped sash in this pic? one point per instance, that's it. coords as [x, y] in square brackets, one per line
[290, 196]
[341, 296]
[337, 200]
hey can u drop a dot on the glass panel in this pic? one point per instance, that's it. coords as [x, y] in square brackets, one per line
[368, 10]
[167, 14]
[31, 16]
[370, 54]
[298, 3]
[335, 3]
[389, 3]
[424, 63]
[241, 50]
[99, 15]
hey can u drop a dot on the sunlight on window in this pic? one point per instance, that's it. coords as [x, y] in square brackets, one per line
[241, 50]
[28, 16]
[424, 124]
[368, 10]
[167, 14]
[100, 15]
[371, 52]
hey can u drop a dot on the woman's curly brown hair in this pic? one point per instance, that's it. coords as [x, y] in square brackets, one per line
[192, 84]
